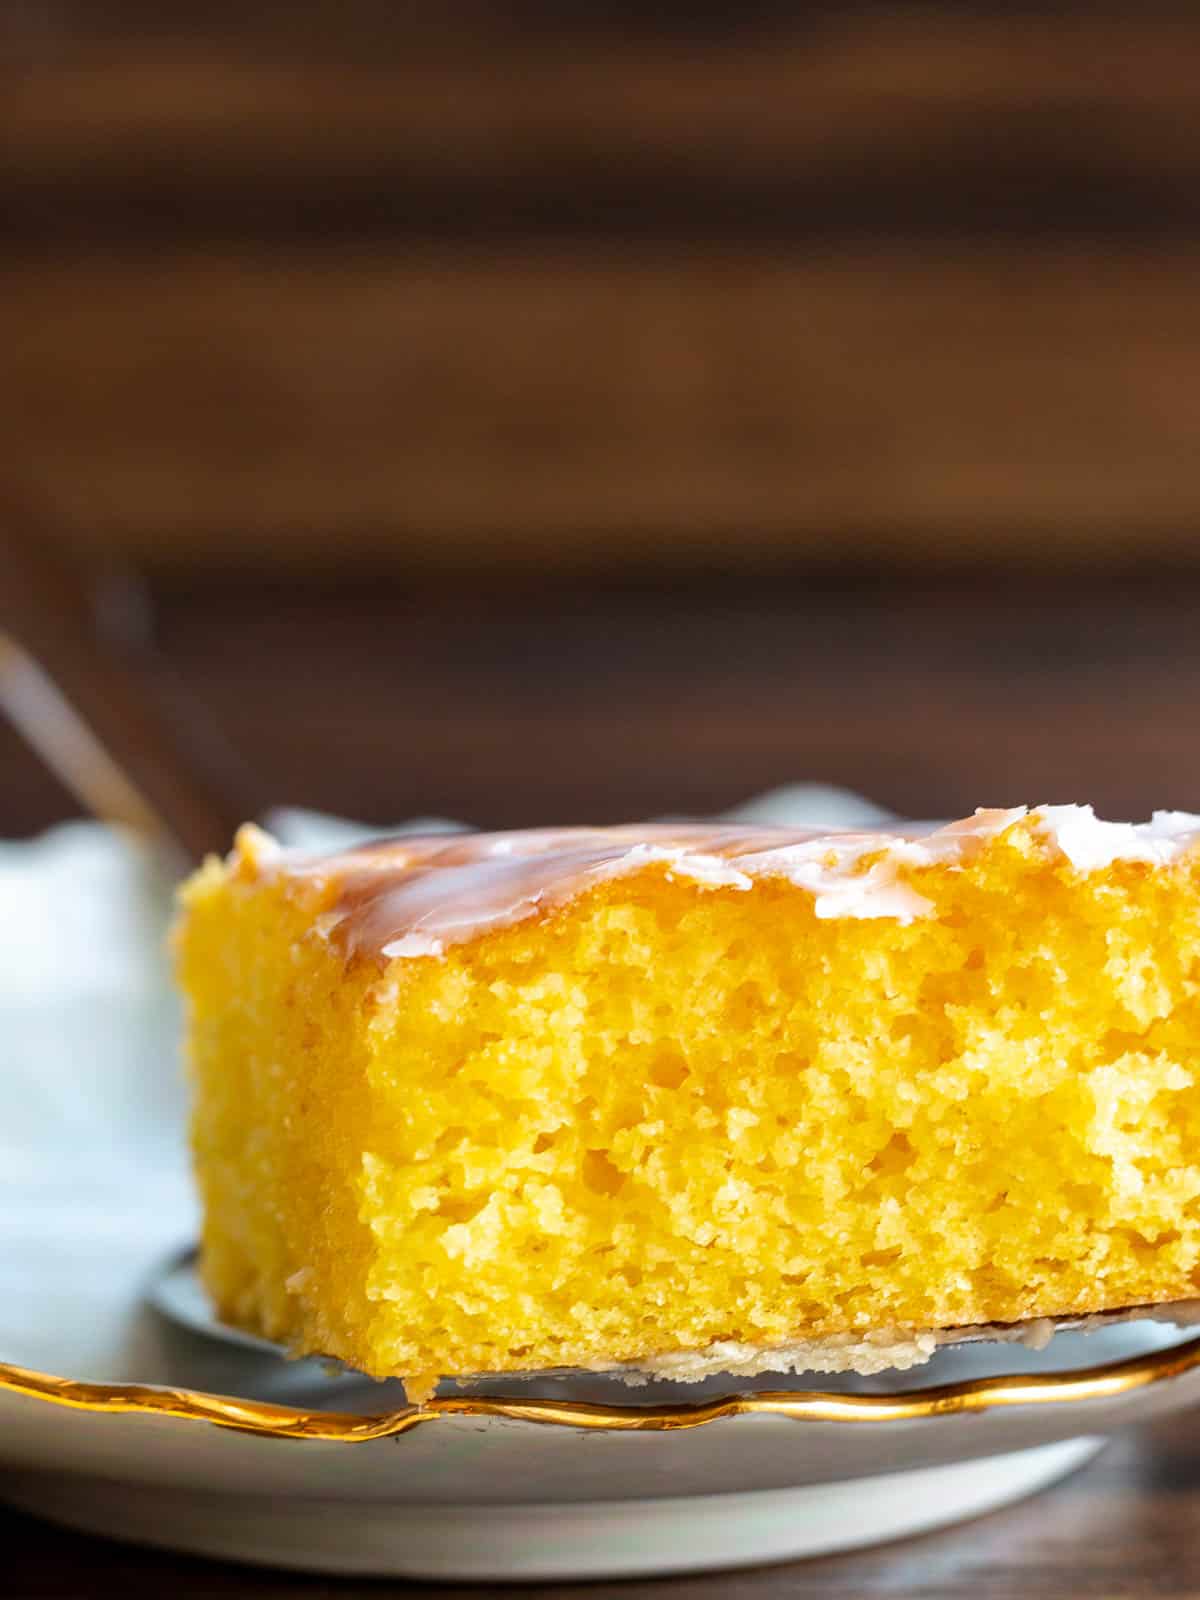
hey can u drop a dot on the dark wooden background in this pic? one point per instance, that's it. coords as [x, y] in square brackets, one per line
[506, 706]
[604, 286]
[531, 413]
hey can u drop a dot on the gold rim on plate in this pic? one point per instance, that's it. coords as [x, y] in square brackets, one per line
[1106, 1382]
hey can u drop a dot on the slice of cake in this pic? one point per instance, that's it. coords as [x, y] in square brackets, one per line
[695, 1098]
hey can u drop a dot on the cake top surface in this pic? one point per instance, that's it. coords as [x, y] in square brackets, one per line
[413, 895]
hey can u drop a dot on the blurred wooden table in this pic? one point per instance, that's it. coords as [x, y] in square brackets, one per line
[512, 707]
[507, 706]
[604, 284]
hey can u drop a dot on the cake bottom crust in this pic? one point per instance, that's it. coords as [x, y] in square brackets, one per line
[865, 1354]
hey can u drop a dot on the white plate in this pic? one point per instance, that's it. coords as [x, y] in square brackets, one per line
[557, 1476]
[174, 1435]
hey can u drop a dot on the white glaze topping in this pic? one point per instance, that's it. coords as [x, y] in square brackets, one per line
[1090, 843]
[414, 896]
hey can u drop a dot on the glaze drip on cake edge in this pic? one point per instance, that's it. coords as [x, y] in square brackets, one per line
[415, 895]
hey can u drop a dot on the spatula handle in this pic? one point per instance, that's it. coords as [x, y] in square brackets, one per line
[86, 707]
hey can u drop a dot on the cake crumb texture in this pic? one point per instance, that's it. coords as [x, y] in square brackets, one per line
[666, 1114]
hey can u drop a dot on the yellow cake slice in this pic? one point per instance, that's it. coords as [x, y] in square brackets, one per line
[695, 1098]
